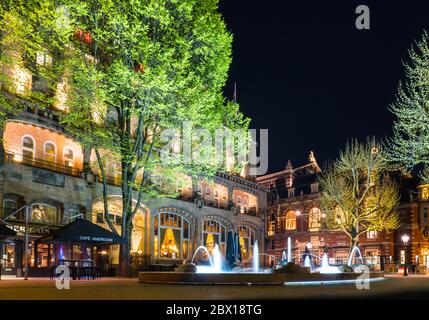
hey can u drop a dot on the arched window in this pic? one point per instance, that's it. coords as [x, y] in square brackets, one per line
[171, 236]
[50, 152]
[45, 213]
[28, 147]
[290, 223]
[213, 233]
[314, 221]
[68, 157]
[9, 207]
[247, 241]
[340, 217]
[116, 218]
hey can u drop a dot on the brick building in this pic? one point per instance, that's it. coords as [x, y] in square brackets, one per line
[44, 167]
[293, 210]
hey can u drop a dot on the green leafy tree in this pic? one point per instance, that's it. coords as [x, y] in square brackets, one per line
[356, 194]
[127, 71]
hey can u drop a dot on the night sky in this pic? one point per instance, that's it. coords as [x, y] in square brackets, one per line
[306, 73]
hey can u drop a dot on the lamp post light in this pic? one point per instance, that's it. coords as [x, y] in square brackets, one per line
[405, 239]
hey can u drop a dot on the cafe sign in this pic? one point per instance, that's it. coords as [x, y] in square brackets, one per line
[35, 230]
[95, 239]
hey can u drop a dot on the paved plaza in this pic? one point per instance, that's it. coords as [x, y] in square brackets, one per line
[413, 287]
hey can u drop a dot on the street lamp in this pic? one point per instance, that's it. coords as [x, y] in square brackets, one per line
[405, 239]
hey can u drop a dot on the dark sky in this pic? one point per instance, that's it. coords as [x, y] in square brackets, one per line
[306, 73]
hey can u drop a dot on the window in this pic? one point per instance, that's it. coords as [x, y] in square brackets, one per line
[74, 214]
[339, 216]
[371, 234]
[425, 214]
[216, 194]
[43, 59]
[425, 193]
[208, 191]
[290, 223]
[246, 241]
[50, 152]
[115, 218]
[271, 227]
[9, 207]
[100, 217]
[171, 236]
[314, 222]
[238, 200]
[28, 147]
[213, 233]
[45, 213]
[314, 187]
[68, 157]
[291, 192]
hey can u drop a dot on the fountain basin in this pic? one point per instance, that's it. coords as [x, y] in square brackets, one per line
[247, 278]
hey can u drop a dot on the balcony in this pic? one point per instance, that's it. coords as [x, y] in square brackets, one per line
[13, 157]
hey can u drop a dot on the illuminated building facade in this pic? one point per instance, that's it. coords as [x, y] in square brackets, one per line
[294, 211]
[44, 167]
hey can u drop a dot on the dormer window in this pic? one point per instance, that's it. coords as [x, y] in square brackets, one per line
[43, 59]
[314, 187]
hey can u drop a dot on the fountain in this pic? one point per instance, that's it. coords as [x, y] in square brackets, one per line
[255, 257]
[355, 249]
[206, 269]
[213, 273]
[307, 262]
[217, 260]
[284, 256]
[289, 249]
[325, 267]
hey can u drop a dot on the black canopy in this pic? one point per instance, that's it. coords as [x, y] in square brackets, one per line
[5, 231]
[83, 231]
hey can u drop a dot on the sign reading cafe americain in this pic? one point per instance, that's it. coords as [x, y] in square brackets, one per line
[95, 239]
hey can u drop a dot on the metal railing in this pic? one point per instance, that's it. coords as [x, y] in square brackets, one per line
[56, 166]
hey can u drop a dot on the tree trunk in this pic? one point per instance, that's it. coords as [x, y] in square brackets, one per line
[124, 254]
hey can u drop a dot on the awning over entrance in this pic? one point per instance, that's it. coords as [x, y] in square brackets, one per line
[5, 231]
[83, 231]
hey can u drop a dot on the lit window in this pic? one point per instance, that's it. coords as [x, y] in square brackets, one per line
[28, 148]
[213, 233]
[246, 241]
[271, 227]
[425, 193]
[68, 157]
[42, 212]
[43, 59]
[171, 236]
[50, 152]
[371, 234]
[290, 223]
[315, 216]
